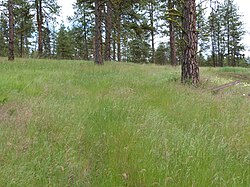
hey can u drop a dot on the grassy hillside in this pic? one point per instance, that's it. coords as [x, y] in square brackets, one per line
[71, 123]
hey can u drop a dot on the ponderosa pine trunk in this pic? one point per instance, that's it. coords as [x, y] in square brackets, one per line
[152, 32]
[213, 35]
[114, 45]
[39, 19]
[119, 37]
[190, 68]
[11, 31]
[228, 35]
[172, 34]
[108, 25]
[98, 32]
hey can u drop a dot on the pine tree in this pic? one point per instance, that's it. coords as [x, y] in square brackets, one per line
[217, 33]
[11, 30]
[47, 42]
[234, 32]
[121, 11]
[45, 12]
[138, 50]
[172, 17]
[82, 28]
[23, 26]
[98, 33]
[4, 34]
[39, 19]
[64, 47]
[108, 30]
[190, 69]
[227, 31]
[152, 11]
[213, 29]
[202, 32]
[161, 54]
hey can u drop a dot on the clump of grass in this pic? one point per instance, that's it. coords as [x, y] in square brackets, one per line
[118, 125]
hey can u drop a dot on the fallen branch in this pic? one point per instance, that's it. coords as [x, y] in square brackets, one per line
[226, 85]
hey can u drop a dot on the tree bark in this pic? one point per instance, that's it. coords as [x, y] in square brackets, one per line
[219, 62]
[228, 43]
[228, 34]
[172, 35]
[119, 37]
[114, 44]
[108, 29]
[190, 69]
[152, 30]
[11, 31]
[98, 33]
[39, 17]
[213, 35]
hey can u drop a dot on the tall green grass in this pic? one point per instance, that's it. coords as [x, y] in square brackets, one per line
[71, 123]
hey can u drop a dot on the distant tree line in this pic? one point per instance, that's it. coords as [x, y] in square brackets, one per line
[34, 27]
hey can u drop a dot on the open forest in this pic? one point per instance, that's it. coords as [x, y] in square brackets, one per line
[129, 93]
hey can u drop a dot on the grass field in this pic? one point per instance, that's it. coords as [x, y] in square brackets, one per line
[72, 123]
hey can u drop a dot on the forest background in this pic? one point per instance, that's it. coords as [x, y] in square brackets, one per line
[140, 31]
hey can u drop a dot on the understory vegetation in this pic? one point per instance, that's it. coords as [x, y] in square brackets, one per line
[73, 123]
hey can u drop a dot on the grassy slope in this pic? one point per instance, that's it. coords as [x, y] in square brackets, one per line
[72, 123]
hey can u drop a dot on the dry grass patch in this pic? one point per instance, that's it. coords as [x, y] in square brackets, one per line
[15, 114]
